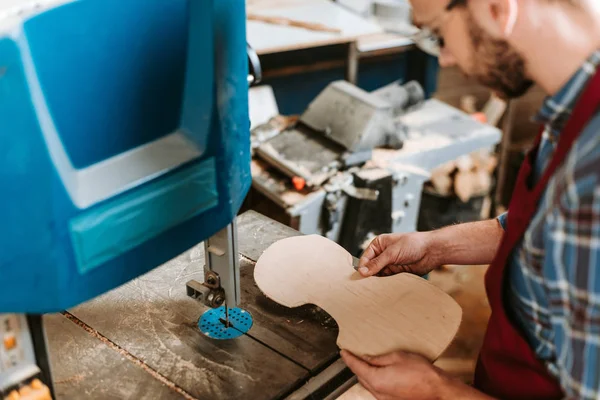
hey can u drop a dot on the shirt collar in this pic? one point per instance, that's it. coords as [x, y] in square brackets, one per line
[557, 108]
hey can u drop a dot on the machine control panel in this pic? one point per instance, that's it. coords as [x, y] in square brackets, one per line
[19, 373]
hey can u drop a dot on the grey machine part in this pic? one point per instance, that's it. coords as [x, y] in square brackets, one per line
[339, 130]
[357, 120]
[221, 284]
[346, 131]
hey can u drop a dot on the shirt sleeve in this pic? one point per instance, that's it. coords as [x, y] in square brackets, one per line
[573, 254]
[502, 219]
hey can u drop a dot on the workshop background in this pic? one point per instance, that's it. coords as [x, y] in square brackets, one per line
[471, 187]
[354, 132]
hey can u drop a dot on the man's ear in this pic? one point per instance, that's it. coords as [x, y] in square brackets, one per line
[496, 17]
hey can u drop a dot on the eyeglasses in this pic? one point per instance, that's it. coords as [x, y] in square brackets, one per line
[429, 41]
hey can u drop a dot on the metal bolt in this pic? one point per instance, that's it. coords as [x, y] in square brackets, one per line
[219, 300]
[210, 297]
[400, 180]
[408, 200]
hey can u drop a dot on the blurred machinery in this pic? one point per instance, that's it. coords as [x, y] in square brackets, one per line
[354, 164]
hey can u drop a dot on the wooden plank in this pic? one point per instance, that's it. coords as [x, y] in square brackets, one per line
[279, 21]
[153, 319]
[268, 38]
[85, 368]
[315, 270]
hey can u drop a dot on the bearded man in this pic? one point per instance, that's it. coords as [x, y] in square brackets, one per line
[543, 284]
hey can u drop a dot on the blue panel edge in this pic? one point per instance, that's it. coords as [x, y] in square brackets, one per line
[108, 231]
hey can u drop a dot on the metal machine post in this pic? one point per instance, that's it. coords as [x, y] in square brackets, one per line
[221, 288]
[222, 271]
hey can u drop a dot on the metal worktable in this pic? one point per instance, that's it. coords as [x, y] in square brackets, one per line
[141, 341]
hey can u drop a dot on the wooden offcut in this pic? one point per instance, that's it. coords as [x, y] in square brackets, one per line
[466, 177]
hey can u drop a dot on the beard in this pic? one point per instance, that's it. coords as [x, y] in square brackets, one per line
[497, 65]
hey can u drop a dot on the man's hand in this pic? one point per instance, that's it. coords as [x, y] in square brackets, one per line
[404, 376]
[397, 376]
[420, 252]
[395, 253]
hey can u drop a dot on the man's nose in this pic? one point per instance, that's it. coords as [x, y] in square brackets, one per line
[446, 58]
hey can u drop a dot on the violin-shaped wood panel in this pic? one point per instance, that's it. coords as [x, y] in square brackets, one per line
[375, 315]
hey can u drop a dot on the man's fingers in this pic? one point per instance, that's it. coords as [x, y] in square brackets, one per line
[395, 269]
[387, 359]
[369, 254]
[361, 368]
[377, 264]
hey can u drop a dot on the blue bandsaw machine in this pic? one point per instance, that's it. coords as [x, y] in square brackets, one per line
[124, 141]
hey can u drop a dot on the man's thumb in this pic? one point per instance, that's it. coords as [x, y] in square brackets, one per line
[386, 359]
[377, 264]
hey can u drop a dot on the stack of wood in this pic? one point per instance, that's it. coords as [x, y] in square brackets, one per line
[466, 177]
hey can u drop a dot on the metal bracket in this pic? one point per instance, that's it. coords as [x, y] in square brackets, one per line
[209, 292]
[254, 67]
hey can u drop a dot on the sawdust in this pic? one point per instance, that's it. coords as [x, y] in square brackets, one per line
[156, 375]
[72, 379]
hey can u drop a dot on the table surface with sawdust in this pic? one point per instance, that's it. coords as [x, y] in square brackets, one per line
[140, 341]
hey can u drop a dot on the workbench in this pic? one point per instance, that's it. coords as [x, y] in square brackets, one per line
[267, 38]
[141, 340]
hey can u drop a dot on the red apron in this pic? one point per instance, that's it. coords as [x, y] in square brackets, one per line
[507, 367]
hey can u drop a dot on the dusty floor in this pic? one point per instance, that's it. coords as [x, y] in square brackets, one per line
[465, 285]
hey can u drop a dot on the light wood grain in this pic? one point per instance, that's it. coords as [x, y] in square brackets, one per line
[375, 315]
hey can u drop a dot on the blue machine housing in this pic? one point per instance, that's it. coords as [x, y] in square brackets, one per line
[124, 141]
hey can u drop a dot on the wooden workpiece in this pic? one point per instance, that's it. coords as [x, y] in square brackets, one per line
[375, 315]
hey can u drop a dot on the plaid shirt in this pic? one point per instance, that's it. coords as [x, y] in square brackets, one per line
[553, 281]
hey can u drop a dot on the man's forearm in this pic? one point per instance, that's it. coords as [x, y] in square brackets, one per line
[466, 244]
[452, 388]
